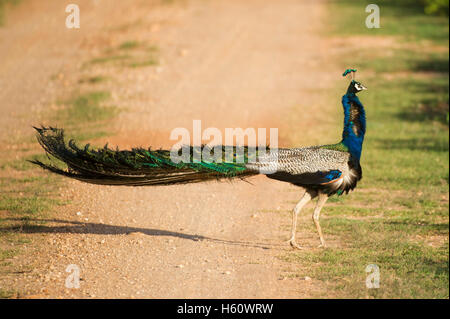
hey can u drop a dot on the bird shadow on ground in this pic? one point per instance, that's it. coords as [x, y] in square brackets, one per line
[75, 227]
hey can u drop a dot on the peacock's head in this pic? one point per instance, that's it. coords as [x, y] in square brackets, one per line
[355, 87]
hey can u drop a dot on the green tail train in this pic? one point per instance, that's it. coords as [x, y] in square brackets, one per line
[139, 166]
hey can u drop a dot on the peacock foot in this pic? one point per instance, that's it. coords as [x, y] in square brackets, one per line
[294, 244]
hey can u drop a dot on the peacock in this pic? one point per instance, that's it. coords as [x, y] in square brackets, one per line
[321, 171]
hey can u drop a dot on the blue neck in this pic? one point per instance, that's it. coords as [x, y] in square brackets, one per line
[354, 125]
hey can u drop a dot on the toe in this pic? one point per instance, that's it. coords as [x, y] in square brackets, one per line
[294, 245]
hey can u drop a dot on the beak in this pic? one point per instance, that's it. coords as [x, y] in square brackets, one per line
[363, 87]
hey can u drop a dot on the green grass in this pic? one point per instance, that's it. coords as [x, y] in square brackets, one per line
[112, 58]
[4, 294]
[143, 63]
[7, 253]
[385, 61]
[25, 200]
[407, 270]
[398, 217]
[128, 45]
[93, 79]
[404, 19]
[3, 6]
[407, 132]
[87, 107]
[137, 55]
[84, 115]
[27, 205]
[28, 195]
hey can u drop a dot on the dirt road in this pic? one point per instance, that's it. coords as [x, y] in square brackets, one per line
[228, 63]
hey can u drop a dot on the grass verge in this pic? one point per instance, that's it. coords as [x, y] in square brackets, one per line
[28, 195]
[398, 217]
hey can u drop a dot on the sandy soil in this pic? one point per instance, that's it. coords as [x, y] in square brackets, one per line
[229, 63]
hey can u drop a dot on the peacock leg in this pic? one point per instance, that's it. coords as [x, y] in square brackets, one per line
[320, 202]
[305, 199]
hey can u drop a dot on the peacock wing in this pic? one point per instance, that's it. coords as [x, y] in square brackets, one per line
[304, 166]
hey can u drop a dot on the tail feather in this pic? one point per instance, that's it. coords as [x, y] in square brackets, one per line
[137, 167]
